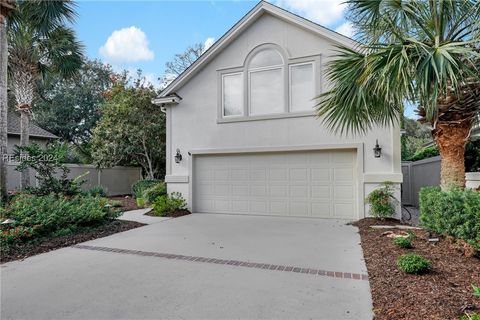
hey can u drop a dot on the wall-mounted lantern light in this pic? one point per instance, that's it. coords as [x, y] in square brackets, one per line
[178, 156]
[377, 151]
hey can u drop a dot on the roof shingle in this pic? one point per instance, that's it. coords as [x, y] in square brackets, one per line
[13, 127]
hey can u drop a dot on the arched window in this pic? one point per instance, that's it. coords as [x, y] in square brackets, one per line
[266, 85]
[269, 83]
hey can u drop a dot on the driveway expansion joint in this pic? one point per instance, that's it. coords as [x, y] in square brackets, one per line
[235, 263]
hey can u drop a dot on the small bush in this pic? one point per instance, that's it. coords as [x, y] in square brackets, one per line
[455, 213]
[140, 202]
[154, 192]
[476, 291]
[47, 214]
[403, 242]
[97, 191]
[413, 263]
[382, 201]
[473, 316]
[141, 185]
[115, 203]
[50, 169]
[168, 204]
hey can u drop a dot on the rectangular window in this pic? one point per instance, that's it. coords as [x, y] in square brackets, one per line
[266, 92]
[232, 99]
[302, 87]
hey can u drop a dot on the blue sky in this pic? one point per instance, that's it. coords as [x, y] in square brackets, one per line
[146, 34]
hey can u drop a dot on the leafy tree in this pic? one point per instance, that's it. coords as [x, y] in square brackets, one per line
[415, 137]
[425, 52]
[70, 108]
[131, 130]
[39, 43]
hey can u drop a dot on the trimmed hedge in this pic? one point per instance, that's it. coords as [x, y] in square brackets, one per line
[455, 213]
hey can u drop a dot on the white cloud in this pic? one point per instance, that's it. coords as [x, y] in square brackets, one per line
[127, 45]
[324, 12]
[346, 29]
[208, 43]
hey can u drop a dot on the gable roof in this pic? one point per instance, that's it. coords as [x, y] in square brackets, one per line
[247, 20]
[13, 128]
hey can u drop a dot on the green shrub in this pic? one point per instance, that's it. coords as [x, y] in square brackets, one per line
[47, 214]
[115, 203]
[50, 169]
[154, 192]
[476, 291]
[425, 153]
[473, 316]
[455, 213]
[141, 185]
[140, 202]
[413, 263]
[168, 204]
[97, 191]
[403, 242]
[382, 201]
[11, 235]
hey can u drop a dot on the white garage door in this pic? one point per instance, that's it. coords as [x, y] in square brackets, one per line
[313, 183]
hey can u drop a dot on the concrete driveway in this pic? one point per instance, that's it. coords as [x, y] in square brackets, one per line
[202, 266]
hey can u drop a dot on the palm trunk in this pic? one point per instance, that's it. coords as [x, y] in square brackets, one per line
[24, 141]
[3, 107]
[451, 140]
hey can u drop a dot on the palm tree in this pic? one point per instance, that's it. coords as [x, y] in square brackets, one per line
[424, 52]
[6, 6]
[39, 43]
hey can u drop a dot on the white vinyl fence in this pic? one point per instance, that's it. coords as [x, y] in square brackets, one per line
[116, 180]
[419, 174]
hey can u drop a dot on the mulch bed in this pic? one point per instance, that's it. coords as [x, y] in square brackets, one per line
[443, 293]
[128, 202]
[46, 244]
[175, 214]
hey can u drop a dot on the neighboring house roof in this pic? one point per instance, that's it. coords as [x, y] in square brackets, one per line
[254, 14]
[13, 128]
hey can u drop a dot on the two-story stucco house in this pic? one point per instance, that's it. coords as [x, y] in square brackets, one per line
[242, 134]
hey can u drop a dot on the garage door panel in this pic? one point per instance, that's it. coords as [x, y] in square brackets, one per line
[240, 206]
[221, 175]
[314, 183]
[278, 191]
[239, 174]
[240, 190]
[321, 192]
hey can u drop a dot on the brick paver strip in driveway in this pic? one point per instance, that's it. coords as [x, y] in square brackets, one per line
[248, 264]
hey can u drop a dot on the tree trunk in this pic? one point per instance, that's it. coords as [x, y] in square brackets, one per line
[451, 140]
[3, 107]
[24, 141]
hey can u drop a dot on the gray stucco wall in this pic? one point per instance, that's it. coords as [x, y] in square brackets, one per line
[193, 125]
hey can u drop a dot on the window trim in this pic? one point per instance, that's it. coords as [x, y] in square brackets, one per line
[249, 91]
[288, 61]
[315, 92]
[222, 96]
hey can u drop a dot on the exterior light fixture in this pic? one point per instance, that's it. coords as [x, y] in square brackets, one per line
[377, 151]
[178, 156]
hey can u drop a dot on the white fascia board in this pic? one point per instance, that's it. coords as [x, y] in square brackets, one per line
[168, 100]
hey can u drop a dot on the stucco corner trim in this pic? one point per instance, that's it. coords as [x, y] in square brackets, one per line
[176, 179]
[382, 177]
